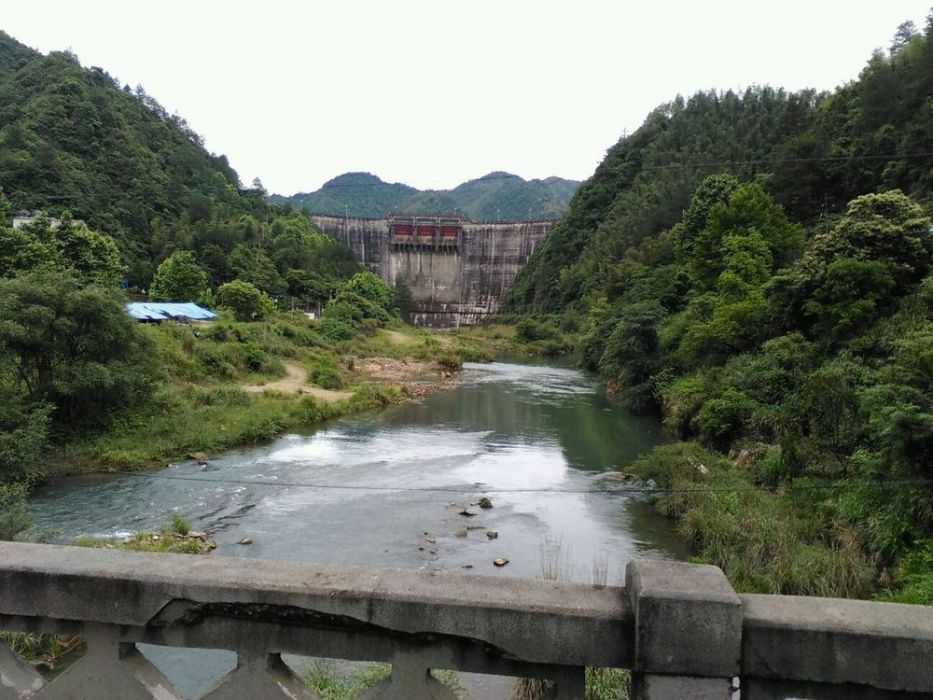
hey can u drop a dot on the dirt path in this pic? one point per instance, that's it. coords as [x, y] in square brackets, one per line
[296, 382]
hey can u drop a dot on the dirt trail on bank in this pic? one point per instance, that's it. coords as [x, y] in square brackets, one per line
[296, 382]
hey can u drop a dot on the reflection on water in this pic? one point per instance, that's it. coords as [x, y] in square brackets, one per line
[386, 489]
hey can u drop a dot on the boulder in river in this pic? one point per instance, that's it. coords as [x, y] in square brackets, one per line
[501, 561]
[492, 534]
[466, 512]
[484, 503]
[246, 540]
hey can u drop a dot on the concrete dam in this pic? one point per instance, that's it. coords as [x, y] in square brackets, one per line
[458, 270]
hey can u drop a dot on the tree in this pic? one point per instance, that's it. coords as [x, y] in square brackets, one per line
[850, 297]
[371, 287]
[24, 429]
[402, 298]
[887, 227]
[747, 208]
[251, 264]
[714, 190]
[72, 347]
[632, 354]
[180, 278]
[59, 245]
[246, 302]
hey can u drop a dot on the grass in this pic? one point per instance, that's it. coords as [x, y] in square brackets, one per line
[201, 405]
[331, 684]
[601, 683]
[499, 338]
[176, 537]
[765, 542]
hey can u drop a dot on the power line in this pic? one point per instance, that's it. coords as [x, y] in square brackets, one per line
[836, 485]
[782, 161]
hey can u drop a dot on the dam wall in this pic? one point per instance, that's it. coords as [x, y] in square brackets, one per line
[458, 270]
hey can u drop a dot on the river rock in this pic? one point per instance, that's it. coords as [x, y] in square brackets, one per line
[492, 534]
[651, 485]
[460, 533]
[466, 512]
[199, 457]
[501, 561]
[484, 503]
[246, 540]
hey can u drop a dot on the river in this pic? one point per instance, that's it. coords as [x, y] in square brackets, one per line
[387, 489]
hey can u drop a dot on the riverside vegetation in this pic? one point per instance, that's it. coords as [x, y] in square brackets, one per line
[85, 387]
[756, 269]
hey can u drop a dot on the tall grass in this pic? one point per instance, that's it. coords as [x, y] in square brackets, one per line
[601, 683]
[331, 684]
[764, 542]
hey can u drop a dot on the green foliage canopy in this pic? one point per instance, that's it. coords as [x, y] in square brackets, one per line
[180, 278]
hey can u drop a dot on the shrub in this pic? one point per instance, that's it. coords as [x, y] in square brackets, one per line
[723, 419]
[325, 374]
[529, 330]
[336, 329]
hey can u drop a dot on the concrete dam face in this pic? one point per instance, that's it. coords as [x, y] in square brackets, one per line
[458, 270]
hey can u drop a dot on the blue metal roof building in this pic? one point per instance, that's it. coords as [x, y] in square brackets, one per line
[156, 311]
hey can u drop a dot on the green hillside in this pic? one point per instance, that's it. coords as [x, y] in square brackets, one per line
[359, 194]
[73, 140]
[757, 270]
[813, 152]
[497, 195]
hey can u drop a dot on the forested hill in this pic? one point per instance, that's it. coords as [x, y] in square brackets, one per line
[812, 151]
[757, 270]
[496, 196]
[72, 139]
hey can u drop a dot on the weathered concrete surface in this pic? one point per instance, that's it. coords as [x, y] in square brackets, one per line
[571, 624]
[17, 678]
[688, 619]
[260, 676]
[829, 640]
[455, 283]
[685, 632]
[652, 687]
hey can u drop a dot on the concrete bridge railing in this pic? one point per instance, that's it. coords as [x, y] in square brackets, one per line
[681, 628]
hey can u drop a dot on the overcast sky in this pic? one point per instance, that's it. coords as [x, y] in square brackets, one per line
[435, 92]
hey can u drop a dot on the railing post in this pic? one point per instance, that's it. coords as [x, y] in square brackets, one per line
[17, 678]
[109, 668]
[688, 631]
[411, 679]
[259, 675]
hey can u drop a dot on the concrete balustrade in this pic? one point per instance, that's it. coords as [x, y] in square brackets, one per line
[680, 627]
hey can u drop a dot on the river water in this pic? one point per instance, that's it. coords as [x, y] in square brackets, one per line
[387, 489]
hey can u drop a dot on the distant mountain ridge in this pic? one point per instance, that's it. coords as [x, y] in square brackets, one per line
[496, 196]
